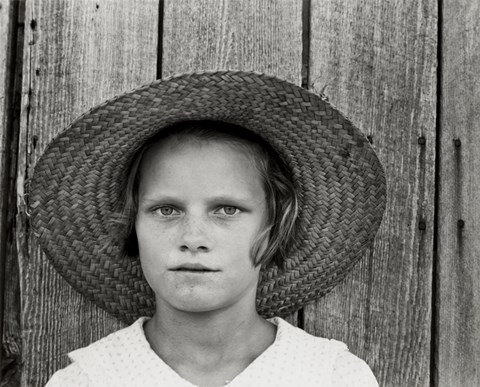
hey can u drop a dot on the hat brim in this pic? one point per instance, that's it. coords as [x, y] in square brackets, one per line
[76, 190]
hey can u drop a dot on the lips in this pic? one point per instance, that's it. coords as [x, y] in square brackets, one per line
[193, 268]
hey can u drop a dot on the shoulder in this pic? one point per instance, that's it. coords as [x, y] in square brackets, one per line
[104, 359]
[303, 342]
[323, 359]
[71, 376]
[131, 338]
[351, 371]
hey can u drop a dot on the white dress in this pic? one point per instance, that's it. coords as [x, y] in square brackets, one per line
[296, 358]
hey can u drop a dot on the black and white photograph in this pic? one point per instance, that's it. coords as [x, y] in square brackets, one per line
[210, 193]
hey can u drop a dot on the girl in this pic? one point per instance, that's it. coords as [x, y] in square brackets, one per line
[242, 197]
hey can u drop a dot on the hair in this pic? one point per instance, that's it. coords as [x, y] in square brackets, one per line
[281, 196]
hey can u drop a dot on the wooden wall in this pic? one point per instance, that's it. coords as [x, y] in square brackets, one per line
[377, 60]
[406, 72]
[457, 291]
[11, 45]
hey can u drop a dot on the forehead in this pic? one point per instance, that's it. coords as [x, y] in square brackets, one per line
[200, 166]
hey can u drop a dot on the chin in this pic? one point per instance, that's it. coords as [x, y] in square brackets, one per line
[198, 310]
[198, 305]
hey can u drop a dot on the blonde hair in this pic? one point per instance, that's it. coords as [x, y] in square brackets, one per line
[281, 197]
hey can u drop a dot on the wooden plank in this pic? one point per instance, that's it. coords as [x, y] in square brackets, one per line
[263, 36]
[376, 61]
[77, 53]
[11, 34]
[458, 287]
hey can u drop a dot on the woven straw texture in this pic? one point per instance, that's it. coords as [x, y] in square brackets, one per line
[75, 193]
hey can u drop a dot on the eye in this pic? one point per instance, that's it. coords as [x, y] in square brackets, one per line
[166, 211]
[227, 210]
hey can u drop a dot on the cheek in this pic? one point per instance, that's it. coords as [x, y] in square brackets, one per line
[151, 232]
[234, 242]
[154, 245]
[155, 257]
[238, 250]
[246, 237]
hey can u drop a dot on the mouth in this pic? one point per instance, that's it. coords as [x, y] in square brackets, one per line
[193, 268]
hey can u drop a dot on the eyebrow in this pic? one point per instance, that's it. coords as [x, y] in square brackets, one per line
[221, 199]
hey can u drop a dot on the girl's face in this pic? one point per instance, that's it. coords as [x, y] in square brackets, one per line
[201, 205]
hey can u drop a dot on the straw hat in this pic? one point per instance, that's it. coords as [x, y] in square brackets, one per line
[78, 182]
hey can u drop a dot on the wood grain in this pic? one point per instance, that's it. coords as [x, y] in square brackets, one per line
[376, 61]
[258, 35]
[11, 41]
[77, 54]
[6, 87]
[458, 286]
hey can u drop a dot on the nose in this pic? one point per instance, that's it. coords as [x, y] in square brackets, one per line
[194, 235]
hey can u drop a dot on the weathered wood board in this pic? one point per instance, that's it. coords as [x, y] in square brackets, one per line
[376, 61]
[77, 54]
[263, 36]
[11, 41]
[458, 246]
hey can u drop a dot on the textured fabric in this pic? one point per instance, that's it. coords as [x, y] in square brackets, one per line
[296, 358]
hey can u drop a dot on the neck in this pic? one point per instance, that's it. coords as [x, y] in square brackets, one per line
[208, 342]
[211, 332]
